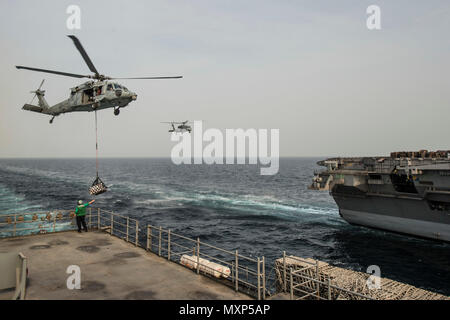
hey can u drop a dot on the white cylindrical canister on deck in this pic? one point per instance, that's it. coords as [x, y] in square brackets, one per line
[206, 266]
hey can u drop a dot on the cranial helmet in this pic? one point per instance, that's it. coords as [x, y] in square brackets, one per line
[80, 201]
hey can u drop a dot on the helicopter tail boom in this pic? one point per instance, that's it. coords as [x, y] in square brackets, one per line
[30, 107]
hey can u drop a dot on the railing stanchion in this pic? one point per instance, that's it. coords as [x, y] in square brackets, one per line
[136, 241]
[198, 255]
[291, 283]
[159, 245]
[90, 218]
[168, 245]
[284, 271]
[236, 274]
[128, 227]
[98, 219]
[258, 280]
[148, 237]
[232, 272]
[112, 223]
[264, 277]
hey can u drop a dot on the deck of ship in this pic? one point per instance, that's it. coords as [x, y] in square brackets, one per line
[130, 260]
[110, 269]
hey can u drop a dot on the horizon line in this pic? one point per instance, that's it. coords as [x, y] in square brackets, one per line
[131, 157]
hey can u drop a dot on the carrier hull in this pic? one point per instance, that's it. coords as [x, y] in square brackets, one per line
[408, 192]
[410, 217]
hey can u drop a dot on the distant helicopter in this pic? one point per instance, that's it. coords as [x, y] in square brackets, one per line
[183, 127]
[89, 96]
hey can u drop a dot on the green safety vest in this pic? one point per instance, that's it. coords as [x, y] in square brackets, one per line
[81, 210]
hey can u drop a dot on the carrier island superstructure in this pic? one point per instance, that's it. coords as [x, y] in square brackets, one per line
[407, 192]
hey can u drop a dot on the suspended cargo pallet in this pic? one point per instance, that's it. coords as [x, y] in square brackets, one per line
[98, 187]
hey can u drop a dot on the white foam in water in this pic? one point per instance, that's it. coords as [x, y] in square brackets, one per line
[263, 205]
[53, 175]
[11, 202]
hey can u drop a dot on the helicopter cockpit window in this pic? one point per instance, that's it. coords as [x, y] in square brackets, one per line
[117, 86]
[110, 87]
[125, 89]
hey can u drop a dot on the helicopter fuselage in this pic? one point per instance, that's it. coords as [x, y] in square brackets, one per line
[91, 96]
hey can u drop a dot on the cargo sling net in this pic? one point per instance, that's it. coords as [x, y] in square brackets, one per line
[98, 187]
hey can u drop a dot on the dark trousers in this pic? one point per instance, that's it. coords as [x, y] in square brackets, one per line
[81, 220]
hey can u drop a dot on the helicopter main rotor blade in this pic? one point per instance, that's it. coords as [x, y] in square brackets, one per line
[144, 78]
[83, 53]
[73, 75]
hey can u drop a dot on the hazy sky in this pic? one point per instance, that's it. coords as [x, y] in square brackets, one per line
[309, 68]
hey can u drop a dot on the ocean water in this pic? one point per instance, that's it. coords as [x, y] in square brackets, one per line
[230, 206]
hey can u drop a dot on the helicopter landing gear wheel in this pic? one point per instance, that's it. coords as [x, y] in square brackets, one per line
[51, 120]
[116, 111]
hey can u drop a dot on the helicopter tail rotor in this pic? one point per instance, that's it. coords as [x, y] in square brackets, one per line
[37, 91]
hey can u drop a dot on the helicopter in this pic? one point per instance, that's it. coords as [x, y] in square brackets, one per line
[96, 94]
[183, 127]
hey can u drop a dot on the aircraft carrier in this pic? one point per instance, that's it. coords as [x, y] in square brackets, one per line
[407, 192]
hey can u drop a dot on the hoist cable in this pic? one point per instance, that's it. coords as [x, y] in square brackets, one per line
[96, 144]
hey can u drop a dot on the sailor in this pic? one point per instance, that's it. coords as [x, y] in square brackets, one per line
[80, 212]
